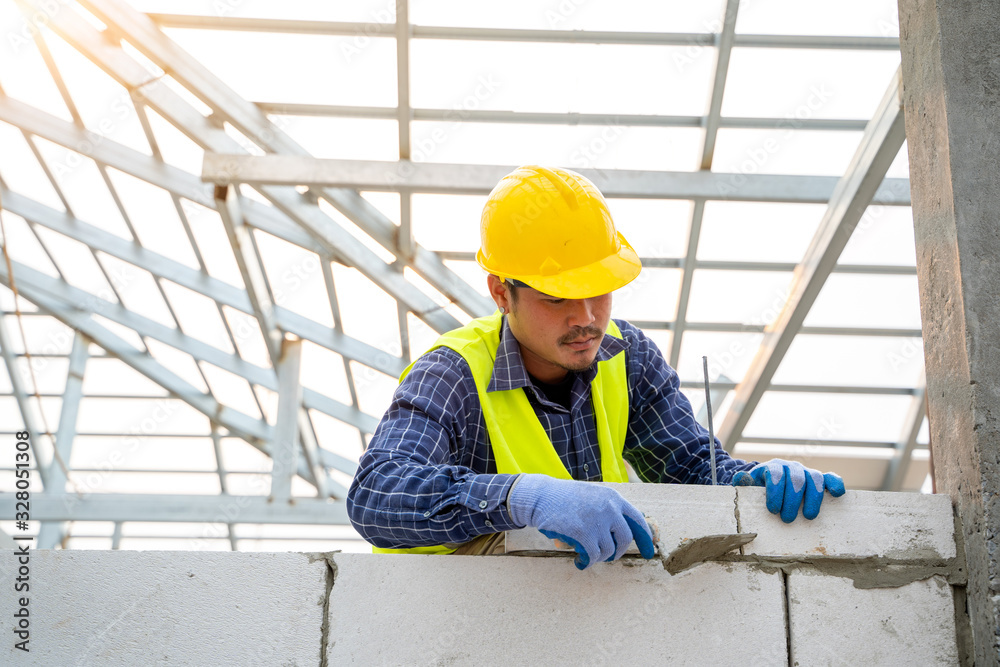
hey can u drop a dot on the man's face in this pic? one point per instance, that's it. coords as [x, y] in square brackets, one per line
[556, 335]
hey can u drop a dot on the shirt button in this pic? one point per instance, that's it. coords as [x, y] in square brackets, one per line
[586, 467]
[489, 524]
[483, 504]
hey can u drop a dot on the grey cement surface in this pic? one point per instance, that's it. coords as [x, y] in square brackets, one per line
[169, 608]
[680, 512]
[951, 98]
[504, 610]
[859, 524]
[831, 622]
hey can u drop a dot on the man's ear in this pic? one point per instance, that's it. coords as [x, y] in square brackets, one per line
[499, 292]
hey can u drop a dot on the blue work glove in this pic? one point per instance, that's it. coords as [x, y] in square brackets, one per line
[595, 520]
[789, 485]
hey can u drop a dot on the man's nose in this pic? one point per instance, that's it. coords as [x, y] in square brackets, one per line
[582, 313]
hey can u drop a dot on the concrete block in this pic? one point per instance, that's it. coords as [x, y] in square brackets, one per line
[859, 524]
[170, 607]
[477, 610]
[833, 623]
[680, 512]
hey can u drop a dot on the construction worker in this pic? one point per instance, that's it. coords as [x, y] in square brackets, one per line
[503, 422]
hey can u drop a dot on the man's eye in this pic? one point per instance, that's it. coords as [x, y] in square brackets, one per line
[555, 300]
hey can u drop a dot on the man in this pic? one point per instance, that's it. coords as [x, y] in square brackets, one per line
[504, 421]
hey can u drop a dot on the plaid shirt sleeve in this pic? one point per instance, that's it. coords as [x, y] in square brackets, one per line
[411, 488]
[664, 442]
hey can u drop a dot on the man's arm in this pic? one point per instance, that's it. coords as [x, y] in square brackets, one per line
[410, 490]
[665, 443]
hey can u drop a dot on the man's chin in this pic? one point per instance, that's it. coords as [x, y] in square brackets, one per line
[577, 363]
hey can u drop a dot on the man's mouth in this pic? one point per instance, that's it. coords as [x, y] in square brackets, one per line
[581, 344]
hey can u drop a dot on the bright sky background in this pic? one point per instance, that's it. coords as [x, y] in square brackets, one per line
[454, 74]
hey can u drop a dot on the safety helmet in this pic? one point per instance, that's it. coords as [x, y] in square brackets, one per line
[551, 229]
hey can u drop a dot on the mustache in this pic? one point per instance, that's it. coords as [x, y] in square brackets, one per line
[581, 332]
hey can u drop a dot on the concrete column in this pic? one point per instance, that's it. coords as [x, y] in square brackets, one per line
[951, 99]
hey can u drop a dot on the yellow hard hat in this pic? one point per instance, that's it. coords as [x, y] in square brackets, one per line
[551, 229]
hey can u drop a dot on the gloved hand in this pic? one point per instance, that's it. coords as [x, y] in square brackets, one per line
[595, 520]
[787, 482]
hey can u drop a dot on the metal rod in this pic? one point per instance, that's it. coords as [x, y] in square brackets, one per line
[711, 429]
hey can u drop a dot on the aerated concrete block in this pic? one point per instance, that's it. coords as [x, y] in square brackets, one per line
[497, 610]
[859, 524]
[170, 608]
[679, 511]
[833, 623]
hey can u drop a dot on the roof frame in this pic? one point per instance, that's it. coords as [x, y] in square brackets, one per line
[878, 148]
[445, 178]
[146, 37]
[147, 88]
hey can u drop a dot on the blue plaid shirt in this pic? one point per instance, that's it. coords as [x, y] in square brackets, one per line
[428, 476]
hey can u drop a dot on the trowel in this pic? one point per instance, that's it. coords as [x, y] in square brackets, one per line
[700, 549]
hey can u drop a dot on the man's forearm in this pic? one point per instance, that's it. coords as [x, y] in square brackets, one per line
[395, 504]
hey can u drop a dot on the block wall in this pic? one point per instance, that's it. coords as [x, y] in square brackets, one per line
[871, 581]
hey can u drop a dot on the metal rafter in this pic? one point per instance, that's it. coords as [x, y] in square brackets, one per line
[63, 296]
[443, 178]
[732, 265]
[147, 87]
[150, 169]
[350, 29]
[213, 288]
[58, 298]
[555, 118]
[405, 248]
[220, 509]
[146, 37]
[43, 452]
[284, 450]
[285, 355]
[227, 202]
[403, 111]
[50, 534]
[223, 484]
[912, 423]
[724, 49]
[314, 458]
[877, 150]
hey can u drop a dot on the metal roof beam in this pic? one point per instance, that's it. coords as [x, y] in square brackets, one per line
[62, 301]
[227, 201]
[284, 450]
[63, 297]
[723, 50]
[350, 29]
[914, 419]
[806, 442]
[147, 38]
[51, 533]
[878, 148]
[285, 353]
[444, 178]
[43, 452]
[146, 88]
[221, 509]
[730, 265]
[555, 118]
[213, 288]
[376, 175]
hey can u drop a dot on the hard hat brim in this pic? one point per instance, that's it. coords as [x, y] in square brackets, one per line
[601, 277]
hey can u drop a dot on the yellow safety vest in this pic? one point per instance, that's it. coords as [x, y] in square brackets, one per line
[521, 443]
